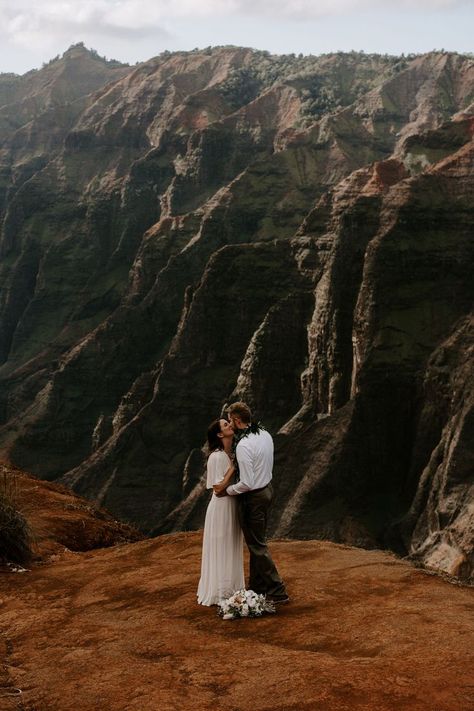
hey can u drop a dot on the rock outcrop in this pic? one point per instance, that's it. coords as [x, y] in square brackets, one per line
[222, 224]
[396, 286]
[58, 520]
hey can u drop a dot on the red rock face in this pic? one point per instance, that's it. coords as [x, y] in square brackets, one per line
[224, 224]
[393, 425]
[385, 174]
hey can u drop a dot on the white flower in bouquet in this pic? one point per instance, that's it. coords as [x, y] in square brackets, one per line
[244, 603]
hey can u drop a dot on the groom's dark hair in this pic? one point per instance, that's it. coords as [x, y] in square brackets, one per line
[242, 410]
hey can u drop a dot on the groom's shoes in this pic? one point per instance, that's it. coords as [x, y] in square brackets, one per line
[278, 600]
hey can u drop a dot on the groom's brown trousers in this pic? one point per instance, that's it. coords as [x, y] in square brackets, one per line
[253, 516]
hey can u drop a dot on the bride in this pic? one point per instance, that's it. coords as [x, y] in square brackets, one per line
[222, 568]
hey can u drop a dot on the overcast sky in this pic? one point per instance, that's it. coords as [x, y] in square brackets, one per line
[33, 31]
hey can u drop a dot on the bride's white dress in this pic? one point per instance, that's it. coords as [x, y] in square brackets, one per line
[222, 567]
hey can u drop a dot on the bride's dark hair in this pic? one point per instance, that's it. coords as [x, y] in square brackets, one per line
[213, 441]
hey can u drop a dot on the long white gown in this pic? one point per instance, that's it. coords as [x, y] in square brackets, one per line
[222, 566]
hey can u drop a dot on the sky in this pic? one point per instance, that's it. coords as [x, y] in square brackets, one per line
[34, 31]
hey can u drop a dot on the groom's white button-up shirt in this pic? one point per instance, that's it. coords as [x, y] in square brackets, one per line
[254, 455]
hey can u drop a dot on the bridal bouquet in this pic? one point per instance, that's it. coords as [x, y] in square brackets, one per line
[244, 603]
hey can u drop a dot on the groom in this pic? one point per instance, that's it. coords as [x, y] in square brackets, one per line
[254, 454]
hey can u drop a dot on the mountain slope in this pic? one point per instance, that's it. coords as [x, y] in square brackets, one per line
[222, 224]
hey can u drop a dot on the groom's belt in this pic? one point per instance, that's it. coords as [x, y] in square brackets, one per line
[254, 491]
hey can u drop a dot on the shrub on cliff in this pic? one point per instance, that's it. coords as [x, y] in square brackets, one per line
[15, 537]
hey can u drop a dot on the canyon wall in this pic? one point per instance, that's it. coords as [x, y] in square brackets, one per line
[226, 224]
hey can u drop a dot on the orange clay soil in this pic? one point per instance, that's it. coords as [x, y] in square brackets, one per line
[58, 518]
[119, 629]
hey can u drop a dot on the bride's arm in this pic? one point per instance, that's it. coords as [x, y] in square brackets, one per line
[218, 488]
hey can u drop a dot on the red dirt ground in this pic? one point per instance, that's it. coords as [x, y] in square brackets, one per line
[118, 628]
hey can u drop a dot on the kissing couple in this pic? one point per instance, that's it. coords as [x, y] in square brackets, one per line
[241, 451]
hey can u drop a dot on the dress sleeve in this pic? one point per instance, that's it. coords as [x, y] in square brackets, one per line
[217, 465]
